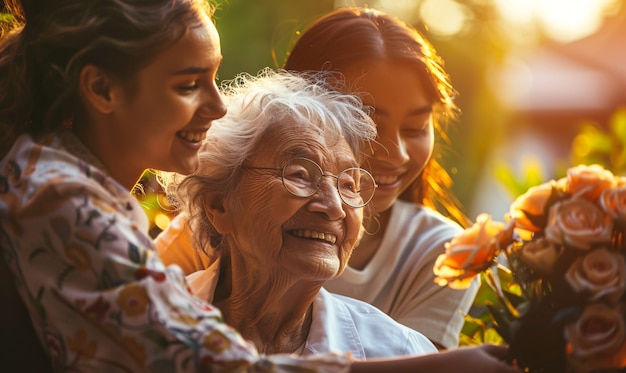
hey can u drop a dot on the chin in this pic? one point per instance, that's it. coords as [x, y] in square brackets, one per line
[186, 168]
[378, 206]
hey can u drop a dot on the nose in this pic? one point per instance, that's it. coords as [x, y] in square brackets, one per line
[391, 149]
[212, 106]
[327, 200]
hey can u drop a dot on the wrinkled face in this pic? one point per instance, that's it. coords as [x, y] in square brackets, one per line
[277, 231]
[161, 123]
[403, 116]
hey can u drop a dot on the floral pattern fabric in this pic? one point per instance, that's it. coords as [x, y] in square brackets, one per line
[98, 294]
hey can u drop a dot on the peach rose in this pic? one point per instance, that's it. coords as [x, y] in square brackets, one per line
[531, 205]
[600, 272]
[579, 223]
[597, 340]
[613, 201]
[589, 181]
[539, 255]
[469, 253]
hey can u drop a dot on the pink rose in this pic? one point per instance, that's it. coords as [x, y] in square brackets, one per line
[597, 340]
[578, 223]
[589, 181]
[539, 254]
[531, 204]
[469, 253]
[613, 201]
[600, 272]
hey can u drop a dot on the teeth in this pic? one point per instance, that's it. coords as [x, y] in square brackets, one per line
[305, 233]
[192, 136]
[384, 180]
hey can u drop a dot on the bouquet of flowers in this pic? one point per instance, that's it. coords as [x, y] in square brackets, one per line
[563, 242]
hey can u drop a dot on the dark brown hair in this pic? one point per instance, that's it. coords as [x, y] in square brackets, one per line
[45, 44]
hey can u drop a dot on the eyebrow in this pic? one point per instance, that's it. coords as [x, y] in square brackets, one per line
[300, 153]
[343, 158]
[192, 70]
[419, 111]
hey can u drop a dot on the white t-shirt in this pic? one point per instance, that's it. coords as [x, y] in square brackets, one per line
[399, 278]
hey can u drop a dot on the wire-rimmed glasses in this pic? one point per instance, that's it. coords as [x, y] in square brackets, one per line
[302, 177]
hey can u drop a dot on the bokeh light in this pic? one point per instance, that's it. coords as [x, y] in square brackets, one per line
[162, 220]
[444, 17]
[561, 20]
[522, 21]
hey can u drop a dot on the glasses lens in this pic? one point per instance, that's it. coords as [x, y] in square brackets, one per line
[356, 186]
[301, 177]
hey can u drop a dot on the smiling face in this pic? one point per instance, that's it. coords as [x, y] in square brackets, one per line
[304, 238]
[403, 115]
[160, 122]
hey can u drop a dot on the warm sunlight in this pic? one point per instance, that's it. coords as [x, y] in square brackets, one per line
[562, 20]
[444, 17]
[521, 21]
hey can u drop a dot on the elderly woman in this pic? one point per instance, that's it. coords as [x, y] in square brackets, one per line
[279, 198]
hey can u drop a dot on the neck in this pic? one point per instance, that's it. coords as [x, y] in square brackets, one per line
[275, 314]
[115, 163]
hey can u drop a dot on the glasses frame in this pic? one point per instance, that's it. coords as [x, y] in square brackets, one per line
[319, 184]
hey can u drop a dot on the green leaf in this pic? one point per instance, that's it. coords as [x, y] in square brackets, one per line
[502, 321]
[618, 124]
[492, 336]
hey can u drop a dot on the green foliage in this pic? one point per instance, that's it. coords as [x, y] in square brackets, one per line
[604, 147]
[258, 34]
[533, 174]
[489, 311]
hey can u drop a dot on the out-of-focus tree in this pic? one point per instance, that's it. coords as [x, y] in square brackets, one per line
[257, 34]
[602, 144]
[480, 41]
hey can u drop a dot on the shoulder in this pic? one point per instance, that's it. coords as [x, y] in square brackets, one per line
[37, 173]
[419, 226]
[42, 184]
[425, 216]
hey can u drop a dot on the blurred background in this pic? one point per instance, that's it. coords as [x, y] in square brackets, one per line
[541, 82]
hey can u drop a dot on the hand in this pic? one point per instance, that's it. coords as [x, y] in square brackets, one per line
[480, 359]
[485, 358]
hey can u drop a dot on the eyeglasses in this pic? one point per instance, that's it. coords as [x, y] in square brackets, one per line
[303, 178]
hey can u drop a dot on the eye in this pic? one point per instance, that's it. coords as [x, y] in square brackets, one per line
[419, 127]
[347, 184]
[189, 87]
[416, 132]
[296, 172]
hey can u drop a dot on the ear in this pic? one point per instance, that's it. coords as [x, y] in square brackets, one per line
[95, 87]
[217, 212]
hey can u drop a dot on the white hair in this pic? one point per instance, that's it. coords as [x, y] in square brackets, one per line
[257, 104]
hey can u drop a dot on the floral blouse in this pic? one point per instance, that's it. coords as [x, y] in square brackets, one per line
[99, 296]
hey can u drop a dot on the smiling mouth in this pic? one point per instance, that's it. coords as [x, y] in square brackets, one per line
[386, 180]
[192, 136]
[305, 233]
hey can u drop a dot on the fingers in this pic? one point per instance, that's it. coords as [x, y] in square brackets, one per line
[497, 351]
